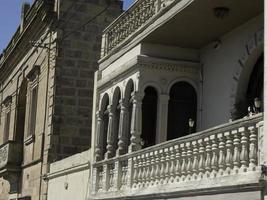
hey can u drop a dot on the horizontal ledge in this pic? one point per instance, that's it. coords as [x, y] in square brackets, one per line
[68, 170]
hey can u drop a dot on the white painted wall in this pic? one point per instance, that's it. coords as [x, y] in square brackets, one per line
[69, 178]
[220, 66]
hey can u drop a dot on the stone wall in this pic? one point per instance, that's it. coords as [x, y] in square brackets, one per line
[78, 53]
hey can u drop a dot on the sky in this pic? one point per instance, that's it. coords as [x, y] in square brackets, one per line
[10, 18]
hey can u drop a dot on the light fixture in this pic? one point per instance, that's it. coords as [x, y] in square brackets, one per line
[191, 123]
[257, 104]
[221, 12]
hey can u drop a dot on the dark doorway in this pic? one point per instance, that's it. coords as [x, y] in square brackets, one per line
[149, 117]
[117, 111]
[104, 109]
[21, 111]
[182, 107]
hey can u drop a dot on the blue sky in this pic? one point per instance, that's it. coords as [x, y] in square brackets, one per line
[10, 18]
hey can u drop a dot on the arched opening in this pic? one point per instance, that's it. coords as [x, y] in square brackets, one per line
[182, 107]
[149, 117]
[129, 105]
[255, 85]
[21, 111]
[105, 113]
[117, 109]
[251, 83]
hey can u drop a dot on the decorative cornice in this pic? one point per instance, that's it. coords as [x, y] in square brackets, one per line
[150, 63]
[19, 45]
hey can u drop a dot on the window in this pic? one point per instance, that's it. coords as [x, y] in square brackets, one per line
[7, 127]
[33, 111]
[33, 78]
[7, 105]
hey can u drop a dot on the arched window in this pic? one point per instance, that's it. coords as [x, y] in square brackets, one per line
[105, 113]
[117, 109]
[251, 85]
[255, 85]
[182, 107]
[128, 101]
[21, 111]
[149, 117]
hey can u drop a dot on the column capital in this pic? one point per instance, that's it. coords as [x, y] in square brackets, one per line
[123, 104]
[137, 96]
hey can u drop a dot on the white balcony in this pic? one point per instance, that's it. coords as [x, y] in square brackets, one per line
[224, 157]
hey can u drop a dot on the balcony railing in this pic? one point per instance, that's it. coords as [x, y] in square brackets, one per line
[10, 156]
[224, 151]
[132, 21]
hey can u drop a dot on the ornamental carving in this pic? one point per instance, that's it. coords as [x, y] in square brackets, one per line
[3, 156]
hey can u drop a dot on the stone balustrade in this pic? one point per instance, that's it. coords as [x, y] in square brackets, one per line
[10, 156]
[132, 21]
[227, 150]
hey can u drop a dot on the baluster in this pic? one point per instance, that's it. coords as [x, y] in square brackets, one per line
[130, 173]
[201, 163]
[189, 160]
[244, 150]
[111, 177]
[229, 153]
[172, 165]
[153, 169]
[178, 163]
[195, 159]
[162, 166]
[144, 170]
[184, 163]
[95, 177]
[221, 162]
[252, 148]
[100, 179]
[236, 157]
[157, 170]
[127, 172]
[208, 156]
[123, 175]
[148, 167]
[135, 173]
[117, 174]
[105, 177]
[140, 170]
[167, 165]
[214, 160]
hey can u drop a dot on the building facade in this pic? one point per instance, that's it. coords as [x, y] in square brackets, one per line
[46, 89]
[179, 103]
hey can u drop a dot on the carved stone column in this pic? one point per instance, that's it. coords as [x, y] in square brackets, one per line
[99, 136]
[136, 123]
[122, 144]
[110, 133]
[162, 121]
